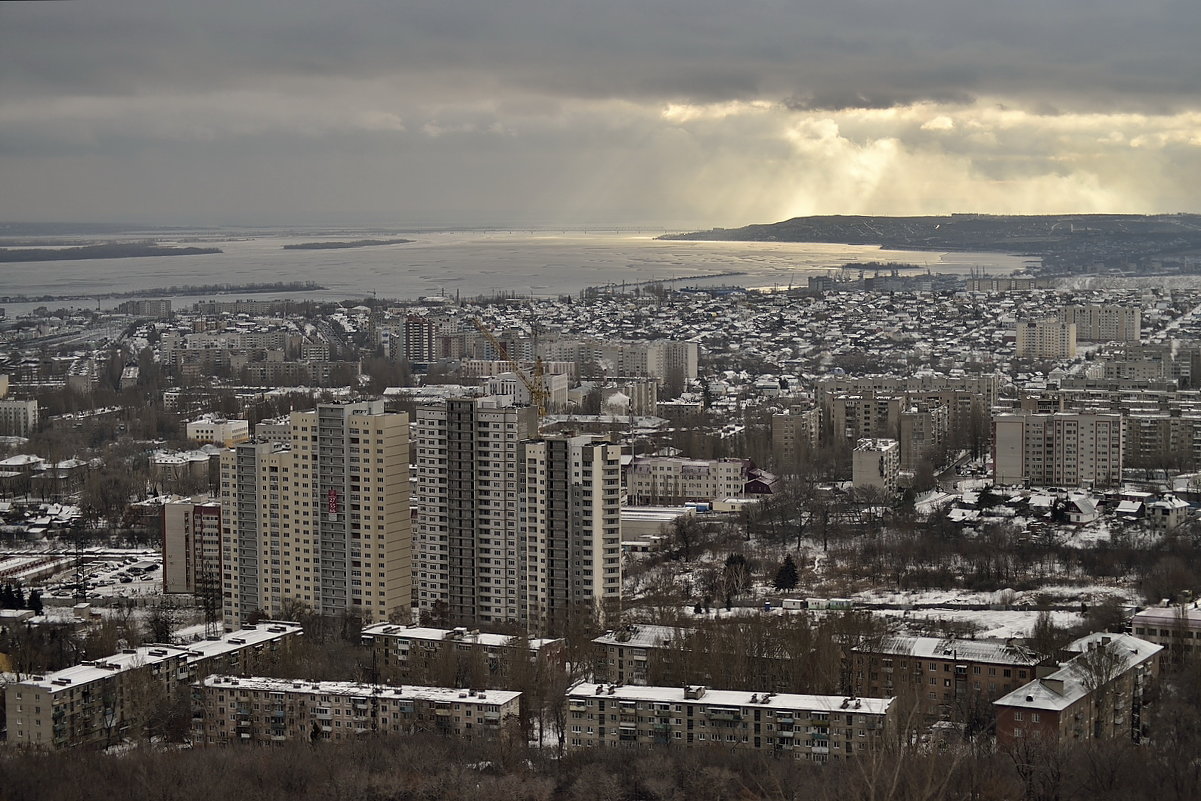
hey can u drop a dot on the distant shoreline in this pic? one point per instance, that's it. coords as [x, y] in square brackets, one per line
[188, 290]
[108, 251]
[358, 243]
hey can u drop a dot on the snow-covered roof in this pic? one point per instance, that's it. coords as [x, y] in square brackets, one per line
[244, 638]
[357, 690]
[997, 652]
[734, 698]
[1066, 686]
[455, 635]
[642, 636]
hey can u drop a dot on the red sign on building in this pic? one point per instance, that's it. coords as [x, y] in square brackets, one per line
[332, 497]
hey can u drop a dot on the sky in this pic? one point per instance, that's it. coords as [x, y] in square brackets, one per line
[540, 112]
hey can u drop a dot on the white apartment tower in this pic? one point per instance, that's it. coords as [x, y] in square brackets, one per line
[570, 520]
[321, 518]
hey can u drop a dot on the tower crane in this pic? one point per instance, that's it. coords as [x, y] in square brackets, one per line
[533, 383]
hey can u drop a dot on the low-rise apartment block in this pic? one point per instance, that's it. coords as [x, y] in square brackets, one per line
[100, 703]
[1097, 693]
[623, 654]
[940, 674]
[1176, 628]
[418, 654]
[219, 431]
[670, 480]
[818, 728]
[265, 710]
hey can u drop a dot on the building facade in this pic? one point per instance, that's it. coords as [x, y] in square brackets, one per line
[262, 711]
[876, 464]
[192, 546]
[219, 431]
[1097, 692]
[1104, 323]
[18, 418]
[322, 519]
[467, 541]
[461, 657]
[100, 703]
[569, 492]
[817, 728]
[670, 480]
[1045, 339]
[1063, 449]
[942, 677]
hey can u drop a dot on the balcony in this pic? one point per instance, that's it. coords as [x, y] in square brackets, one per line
[725, 714]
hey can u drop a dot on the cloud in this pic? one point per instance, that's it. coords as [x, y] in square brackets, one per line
[703, 111]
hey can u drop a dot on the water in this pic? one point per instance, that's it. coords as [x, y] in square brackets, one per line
[468, 263]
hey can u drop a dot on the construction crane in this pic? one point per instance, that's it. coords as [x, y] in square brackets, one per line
[533, 383]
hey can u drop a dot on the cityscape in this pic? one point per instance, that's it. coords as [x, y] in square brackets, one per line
[669, 401]
[907, 512]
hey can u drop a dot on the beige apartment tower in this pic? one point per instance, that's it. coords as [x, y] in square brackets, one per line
[1046, 339]
[321, 518]
[1061, 449]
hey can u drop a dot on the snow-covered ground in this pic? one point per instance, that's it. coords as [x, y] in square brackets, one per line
[997, 624]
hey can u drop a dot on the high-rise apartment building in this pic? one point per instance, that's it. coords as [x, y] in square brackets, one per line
[18, 417]
[570, 529]
[1046, 339]
[1104, 322]
[321, 518]
[511, 527]
[876, 463]
[1062, 449]
[191, 545]
[467, 538]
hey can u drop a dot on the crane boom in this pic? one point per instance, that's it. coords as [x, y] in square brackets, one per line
[534, 384]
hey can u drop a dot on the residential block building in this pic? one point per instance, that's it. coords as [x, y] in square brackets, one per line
[1062, 449]
[219, 431]
[421, 654]
[876, 463]
[100, 703]
[468, 529]
[624, 654]
[191, 545]
[817, 728]
[262, 711]
[1176, 628]
[671, 480]
[1097, 692]
[569, 508]
[1104, 322]
[940, 675]
[511, 526]
[1045, 339]
[18, 418]
[793, 434]
[321, 519]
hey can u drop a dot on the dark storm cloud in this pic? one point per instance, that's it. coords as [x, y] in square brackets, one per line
[716, 112]
[821, 54]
